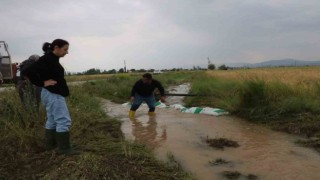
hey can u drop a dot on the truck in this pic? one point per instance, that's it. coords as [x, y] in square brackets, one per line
[7, 68]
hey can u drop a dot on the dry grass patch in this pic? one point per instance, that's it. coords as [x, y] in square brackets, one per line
[293, 76]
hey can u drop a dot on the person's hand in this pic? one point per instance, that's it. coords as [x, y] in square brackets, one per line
[49, 82]
[131, 99]
[163, 99]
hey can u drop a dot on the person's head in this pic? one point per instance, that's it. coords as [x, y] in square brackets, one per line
[59, 47]
[34, 57]
[147, 78]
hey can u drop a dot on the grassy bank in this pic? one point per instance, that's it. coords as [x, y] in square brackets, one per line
[106, 155]
[285, 99]
[118, 87]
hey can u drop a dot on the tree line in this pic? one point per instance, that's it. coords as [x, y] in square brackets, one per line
[122, 70]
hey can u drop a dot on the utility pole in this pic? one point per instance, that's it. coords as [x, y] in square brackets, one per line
[125, 68]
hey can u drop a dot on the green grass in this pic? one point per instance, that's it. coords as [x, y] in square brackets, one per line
[118, 87]
[106, 155]
[283, 107]
[213, 92]
[294, 109]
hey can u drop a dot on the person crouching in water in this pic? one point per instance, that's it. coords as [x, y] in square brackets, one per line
[143, 91]
[48, 73]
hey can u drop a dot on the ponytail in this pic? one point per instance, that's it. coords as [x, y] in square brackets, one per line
[48, 47]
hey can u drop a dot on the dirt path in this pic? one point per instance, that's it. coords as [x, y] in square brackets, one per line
[262, 154]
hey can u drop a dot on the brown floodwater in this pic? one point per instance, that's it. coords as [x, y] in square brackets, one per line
[262, 152]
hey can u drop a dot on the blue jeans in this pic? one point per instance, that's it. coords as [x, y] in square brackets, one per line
[58, 116]
[150, 100]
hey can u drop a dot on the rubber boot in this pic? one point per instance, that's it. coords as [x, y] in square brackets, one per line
[64, 147]
[50, 139]
[131, 114]
[151, 113]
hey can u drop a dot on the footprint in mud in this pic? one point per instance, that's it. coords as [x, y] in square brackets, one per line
[221, 143]
[237, 175]
[219, 162]
[231, 174]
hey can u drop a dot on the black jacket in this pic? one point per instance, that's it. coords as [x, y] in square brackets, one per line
[146, 89]
[48, 67]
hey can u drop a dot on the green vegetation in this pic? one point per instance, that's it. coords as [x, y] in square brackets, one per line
[118, 87]
[106, 155]
[294, 109]
[214, 92]
[292, 106]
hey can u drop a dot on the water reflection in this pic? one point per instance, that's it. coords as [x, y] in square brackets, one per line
[262, 152]
[146, 132]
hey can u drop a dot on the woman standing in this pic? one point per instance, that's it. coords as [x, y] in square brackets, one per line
[48, 73]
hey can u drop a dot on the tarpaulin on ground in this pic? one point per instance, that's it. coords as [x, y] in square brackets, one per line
[193, 110]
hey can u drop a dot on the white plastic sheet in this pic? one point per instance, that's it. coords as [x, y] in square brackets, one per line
[193, 110]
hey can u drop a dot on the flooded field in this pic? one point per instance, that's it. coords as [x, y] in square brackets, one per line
[261, 153]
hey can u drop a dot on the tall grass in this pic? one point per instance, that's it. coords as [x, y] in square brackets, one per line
[277, 96]
[73, 78]
[213, 92]
[106, 155]
[118, 87]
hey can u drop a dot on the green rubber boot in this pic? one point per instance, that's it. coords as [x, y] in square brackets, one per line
[63, 140]
[50, 139]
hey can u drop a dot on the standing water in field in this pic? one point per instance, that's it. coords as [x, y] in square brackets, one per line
[261, 154]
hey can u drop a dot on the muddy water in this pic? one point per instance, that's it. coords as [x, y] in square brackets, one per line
[262, 152]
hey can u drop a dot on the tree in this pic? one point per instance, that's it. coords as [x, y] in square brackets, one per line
[121, 70]
[211, 66]
[92, 71]
[142, 70]
[112, 71]
[223, 67]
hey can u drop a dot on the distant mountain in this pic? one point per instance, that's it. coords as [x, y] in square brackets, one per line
[276, 63]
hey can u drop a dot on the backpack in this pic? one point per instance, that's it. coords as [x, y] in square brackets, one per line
[24, 66]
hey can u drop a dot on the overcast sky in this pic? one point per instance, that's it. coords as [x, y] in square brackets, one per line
[163, 33]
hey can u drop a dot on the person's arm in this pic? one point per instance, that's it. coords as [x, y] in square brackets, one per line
[161, 89]
[133, 91]
[33, 74]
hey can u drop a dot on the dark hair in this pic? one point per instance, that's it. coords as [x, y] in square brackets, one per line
[147, 75]
[48, 47]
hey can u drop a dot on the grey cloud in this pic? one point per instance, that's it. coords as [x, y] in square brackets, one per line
[165, 32]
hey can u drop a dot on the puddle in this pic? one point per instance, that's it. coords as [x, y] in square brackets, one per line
[261, 154]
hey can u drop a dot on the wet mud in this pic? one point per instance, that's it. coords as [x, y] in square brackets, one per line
[221, 143]
[261, 153]
[219, 162]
